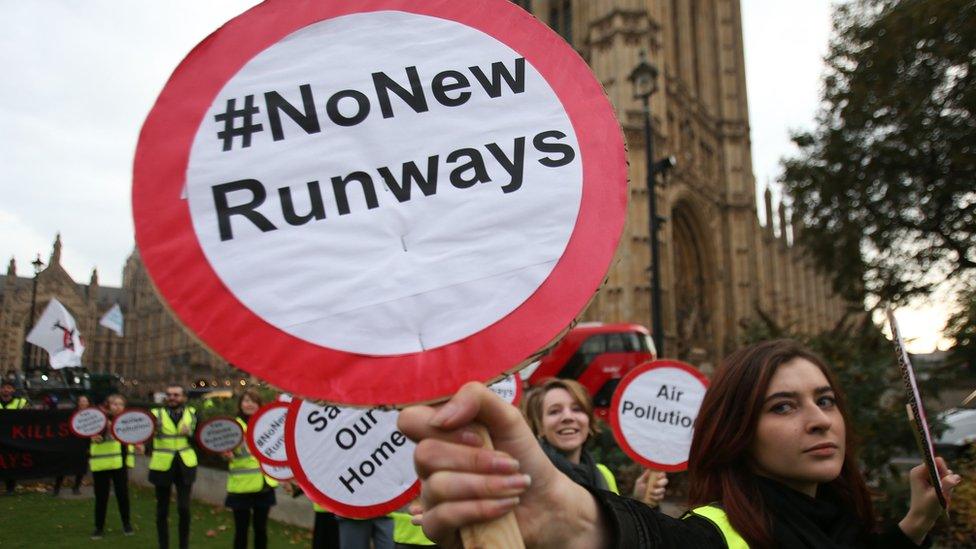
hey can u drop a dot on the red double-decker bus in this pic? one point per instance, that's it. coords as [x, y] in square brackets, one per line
[597, 355]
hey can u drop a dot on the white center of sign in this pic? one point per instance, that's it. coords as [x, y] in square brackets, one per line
[221, 435]
[354, 456]
[268, 434]
[133, 427]
[656, 413]
[88, 422]
[400, 194]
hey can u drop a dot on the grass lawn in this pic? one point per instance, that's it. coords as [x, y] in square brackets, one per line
[32, 519]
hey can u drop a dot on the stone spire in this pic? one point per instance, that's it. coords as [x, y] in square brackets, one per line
[11, 273]
[782, 222]
[798, 226]
[768, 198]
[56, 252]
[93, 285]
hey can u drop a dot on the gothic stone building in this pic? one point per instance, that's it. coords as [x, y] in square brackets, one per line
[719, 265]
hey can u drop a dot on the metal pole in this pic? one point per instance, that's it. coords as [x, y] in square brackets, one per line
[657, 327]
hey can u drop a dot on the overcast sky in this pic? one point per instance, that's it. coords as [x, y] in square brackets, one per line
[82, 75]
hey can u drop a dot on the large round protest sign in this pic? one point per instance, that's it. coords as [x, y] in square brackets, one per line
[353, 461]
[266, 434]
[219, 435]
[509, 388]
[133, 426]
[653, 413]
[326, 209]
[88, 422]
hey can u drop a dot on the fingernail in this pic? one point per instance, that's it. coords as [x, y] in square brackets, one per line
[471, 438]
[445, 413]
[504, 464]
[507, 503]
[518, 481]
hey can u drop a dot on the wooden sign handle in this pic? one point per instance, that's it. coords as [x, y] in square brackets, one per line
[652, 479]
[502, 532]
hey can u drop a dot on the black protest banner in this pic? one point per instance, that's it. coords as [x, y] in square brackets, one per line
[39, 443]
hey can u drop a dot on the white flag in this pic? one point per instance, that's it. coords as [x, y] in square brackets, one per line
[112, 320]
[57, 333]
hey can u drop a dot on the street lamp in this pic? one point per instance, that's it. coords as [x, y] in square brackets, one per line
[38, 265]
[644, 80]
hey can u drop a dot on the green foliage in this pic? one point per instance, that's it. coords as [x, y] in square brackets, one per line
[884, 185]
[961, 327]
[960, 530]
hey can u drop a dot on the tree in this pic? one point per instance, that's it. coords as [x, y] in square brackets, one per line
[961, 327]
[885, 186]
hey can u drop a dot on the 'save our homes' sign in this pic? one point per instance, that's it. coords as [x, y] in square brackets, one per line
[327, 209]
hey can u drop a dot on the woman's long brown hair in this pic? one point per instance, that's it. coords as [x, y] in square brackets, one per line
[719, 468]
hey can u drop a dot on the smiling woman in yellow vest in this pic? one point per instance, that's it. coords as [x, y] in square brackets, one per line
[109, 461]
[560, 413]
[250, 494]
[173, 462]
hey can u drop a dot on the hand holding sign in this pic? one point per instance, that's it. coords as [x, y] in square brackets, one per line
[916, 411]
[653, 412]
[300, 187]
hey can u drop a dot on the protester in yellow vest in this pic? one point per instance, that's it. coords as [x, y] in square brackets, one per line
[109, 461]
[771, 464]
[173, 462]
[7, 399]
[560, 413]
[9, 402]
[250, 494]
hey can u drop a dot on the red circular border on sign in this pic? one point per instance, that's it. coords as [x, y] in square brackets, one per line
[250, 440]
[615, 403]
[71, 422]
[186, 281]
[214, 420]
[152, 420]
[316, 495]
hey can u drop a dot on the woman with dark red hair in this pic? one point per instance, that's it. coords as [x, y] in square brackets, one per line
[772, 464]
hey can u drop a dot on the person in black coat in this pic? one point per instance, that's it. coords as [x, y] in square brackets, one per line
[772, 464]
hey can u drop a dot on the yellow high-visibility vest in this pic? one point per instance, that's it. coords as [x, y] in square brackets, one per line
[244, 475]
[608, 476]
[716, 515]
[107, 455]
[406, 532]
[17, 403]
[168, 441]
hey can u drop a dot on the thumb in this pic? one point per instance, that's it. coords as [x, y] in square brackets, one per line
[476, 404]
